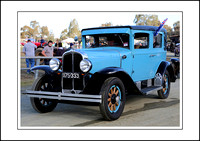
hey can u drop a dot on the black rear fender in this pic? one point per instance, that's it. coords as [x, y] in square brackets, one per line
[176, 65]
[165, 65]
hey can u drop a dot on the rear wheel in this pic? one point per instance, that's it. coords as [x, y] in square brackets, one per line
[42, 105]
[113, 98]
[164, 92]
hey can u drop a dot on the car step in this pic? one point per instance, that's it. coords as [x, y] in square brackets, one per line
[148, 90]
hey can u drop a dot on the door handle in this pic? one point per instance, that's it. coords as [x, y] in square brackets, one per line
[124, 57]
[152, 55]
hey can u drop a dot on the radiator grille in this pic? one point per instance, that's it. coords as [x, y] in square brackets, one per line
[71, 63]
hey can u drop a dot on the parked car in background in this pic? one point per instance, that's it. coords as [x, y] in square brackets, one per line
[172, 46]
[119, 60]
[38, 44]
[168, 46]
[38, 51]
[177, 49]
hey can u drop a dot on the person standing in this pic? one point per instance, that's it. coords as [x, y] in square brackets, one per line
[41, 41]
[88, 44]
[58, 48]
[48, 52]
[29, 51]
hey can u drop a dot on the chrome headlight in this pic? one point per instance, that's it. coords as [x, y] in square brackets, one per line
[54, 64]
[85, 65]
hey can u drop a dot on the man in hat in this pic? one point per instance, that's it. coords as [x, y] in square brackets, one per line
[29, 51]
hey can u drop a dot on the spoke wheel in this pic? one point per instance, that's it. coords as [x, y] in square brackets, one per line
[164, 92]
[42, 105]
[113, 98]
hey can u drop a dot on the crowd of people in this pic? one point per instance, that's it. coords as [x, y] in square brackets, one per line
[50, 49]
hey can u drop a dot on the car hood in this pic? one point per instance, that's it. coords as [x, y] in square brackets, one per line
[102, 57]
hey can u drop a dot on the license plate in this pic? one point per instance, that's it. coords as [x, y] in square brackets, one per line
[71, 75]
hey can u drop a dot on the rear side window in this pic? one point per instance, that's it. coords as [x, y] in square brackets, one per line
[141, 40]
[157, 41]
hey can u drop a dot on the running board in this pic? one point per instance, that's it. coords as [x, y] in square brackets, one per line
[148, 90]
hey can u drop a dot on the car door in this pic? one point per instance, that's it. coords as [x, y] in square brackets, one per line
[142, 55]
[158, 53]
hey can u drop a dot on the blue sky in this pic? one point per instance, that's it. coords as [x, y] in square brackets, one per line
[57, 21]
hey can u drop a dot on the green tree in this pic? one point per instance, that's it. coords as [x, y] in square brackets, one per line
[106, 24]
[176, 27]
[36, 32]
[36, 27]
[23, 36]
[151, 20]
[34, 24]
[26, 31]
[51, 36]
[44, 31]
[169, 31]
[64, 34]
[73, 29]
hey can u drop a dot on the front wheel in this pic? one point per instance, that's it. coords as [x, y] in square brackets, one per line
[164, 92]
[42, 105]
[113, 98]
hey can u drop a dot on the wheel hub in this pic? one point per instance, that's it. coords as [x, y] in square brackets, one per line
[117, 99]
[113, 99]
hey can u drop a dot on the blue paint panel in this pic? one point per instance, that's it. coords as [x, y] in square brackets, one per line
[138, 62]
[102, 58]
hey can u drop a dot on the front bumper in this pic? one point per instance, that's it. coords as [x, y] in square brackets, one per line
[64, 96]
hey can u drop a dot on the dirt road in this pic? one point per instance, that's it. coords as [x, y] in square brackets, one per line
[140, 111]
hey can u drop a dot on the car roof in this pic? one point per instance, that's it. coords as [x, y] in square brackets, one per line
[138, 27]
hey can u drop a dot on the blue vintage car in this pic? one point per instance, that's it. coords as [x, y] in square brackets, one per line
[113, 62]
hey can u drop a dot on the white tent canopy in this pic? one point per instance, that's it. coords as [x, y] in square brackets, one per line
[69, 40]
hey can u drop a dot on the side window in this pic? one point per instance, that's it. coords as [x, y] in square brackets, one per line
[141, 40]
[157, 41]
[89, 41]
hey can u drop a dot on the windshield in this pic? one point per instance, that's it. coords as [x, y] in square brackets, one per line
[107, 40]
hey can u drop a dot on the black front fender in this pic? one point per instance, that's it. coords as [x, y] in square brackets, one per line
[52, 77]
[98, 78]
[45, 68]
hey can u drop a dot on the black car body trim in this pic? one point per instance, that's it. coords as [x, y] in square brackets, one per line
[165, 65]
